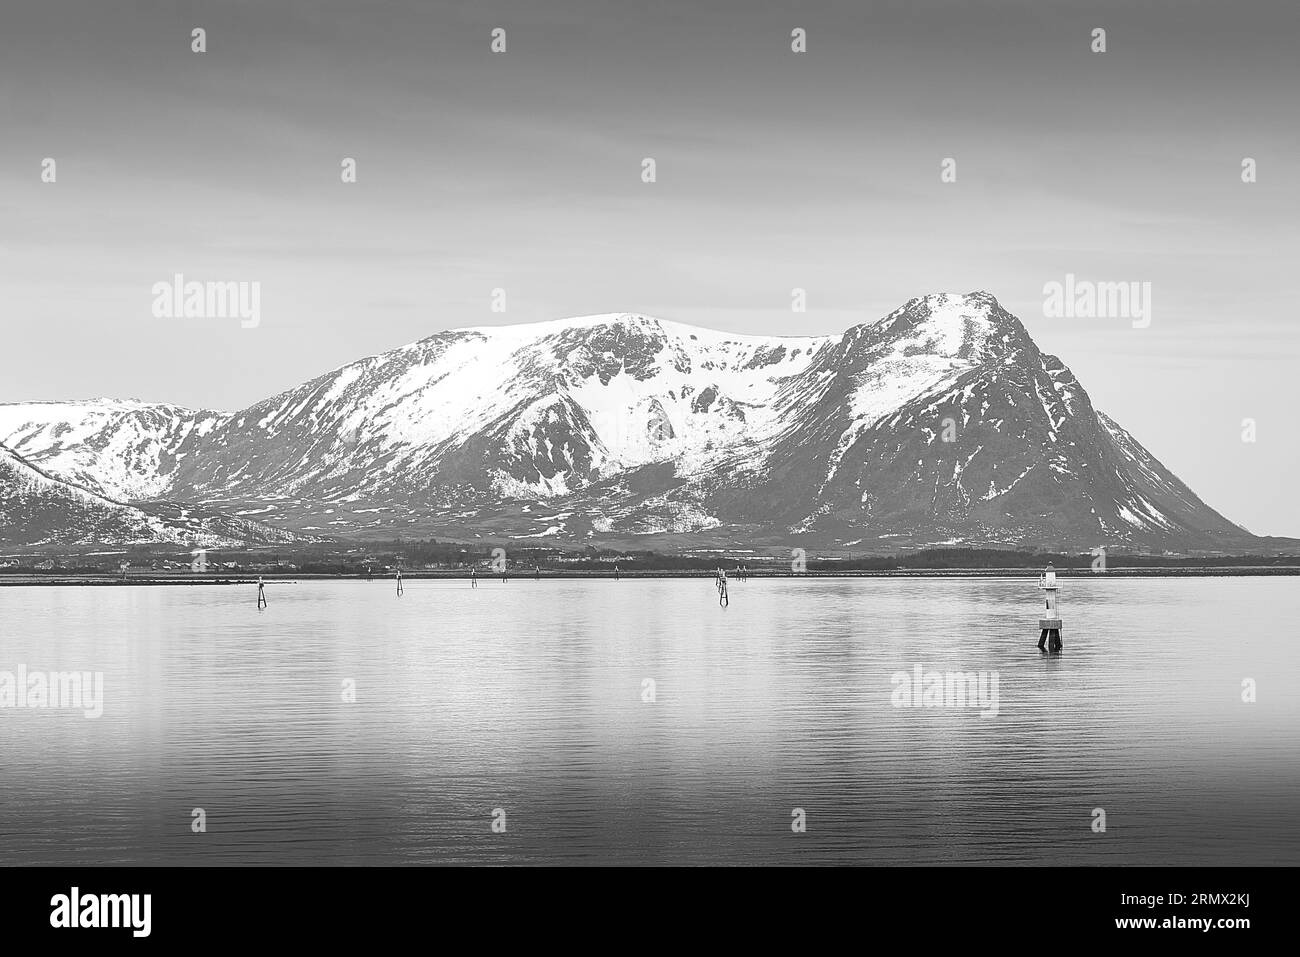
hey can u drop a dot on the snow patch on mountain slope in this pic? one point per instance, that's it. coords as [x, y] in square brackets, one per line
[722, 400]
[994, 491]
[932, 342]
[660, 515]
[118, 447]
[887, 386]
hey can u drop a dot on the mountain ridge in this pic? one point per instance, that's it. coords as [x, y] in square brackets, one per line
[939, 423]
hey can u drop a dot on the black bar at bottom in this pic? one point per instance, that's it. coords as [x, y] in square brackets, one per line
[335, 906]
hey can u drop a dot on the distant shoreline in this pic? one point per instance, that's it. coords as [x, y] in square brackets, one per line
[189, 578]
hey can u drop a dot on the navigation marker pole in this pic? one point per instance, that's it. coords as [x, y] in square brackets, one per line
[1050, 623]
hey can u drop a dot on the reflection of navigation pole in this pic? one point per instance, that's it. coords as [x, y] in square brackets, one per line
[1050, 623]
[723, 600]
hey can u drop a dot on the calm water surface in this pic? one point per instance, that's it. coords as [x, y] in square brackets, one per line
[528, 696]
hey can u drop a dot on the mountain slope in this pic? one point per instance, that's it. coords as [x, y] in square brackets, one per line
[940, 423]
[120, 448]
[38, 509]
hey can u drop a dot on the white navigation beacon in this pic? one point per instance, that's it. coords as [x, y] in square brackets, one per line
[1050, 623]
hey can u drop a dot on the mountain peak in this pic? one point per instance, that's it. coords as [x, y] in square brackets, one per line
[971, 326]
[939, 306]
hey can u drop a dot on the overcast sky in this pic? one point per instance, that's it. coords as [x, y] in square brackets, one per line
[775, 170]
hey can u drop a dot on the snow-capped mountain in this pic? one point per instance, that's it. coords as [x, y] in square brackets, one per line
[38, 509]
[941, 422]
